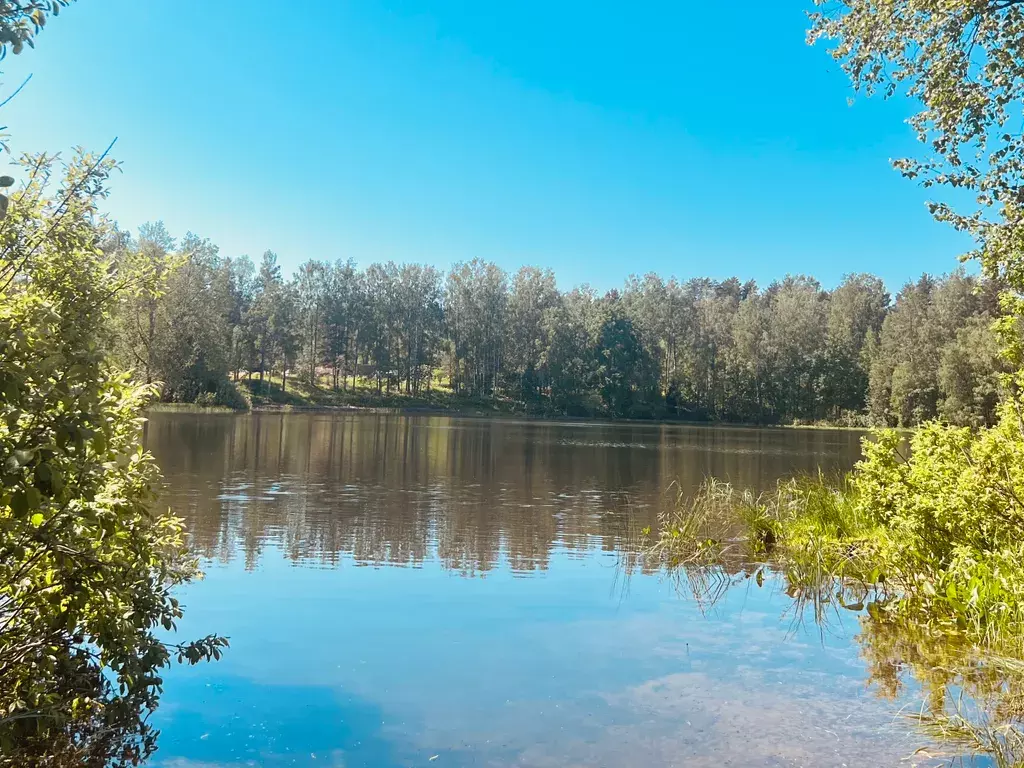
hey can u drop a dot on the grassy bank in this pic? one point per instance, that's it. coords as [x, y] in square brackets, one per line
[188, 408]
[297, 395]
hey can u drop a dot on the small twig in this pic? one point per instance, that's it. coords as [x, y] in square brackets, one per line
[16, 91]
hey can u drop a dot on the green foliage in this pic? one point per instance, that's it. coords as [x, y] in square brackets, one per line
[476, 304]
[177, 331]
[627, 374]
[87, 564]
[569, 361]
[955, 512]
[963, 61]
[700, 530]
[22, 20]
[936, 355]
[532, 298]
[970, 375]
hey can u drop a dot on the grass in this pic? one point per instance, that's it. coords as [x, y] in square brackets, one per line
[1002, 743]
[298, 394]
[800, 514]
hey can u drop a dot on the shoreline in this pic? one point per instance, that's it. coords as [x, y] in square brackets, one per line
[272, 408]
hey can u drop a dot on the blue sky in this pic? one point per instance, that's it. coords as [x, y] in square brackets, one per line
[596, 138]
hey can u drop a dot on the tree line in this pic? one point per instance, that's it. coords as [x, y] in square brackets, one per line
[699, 349]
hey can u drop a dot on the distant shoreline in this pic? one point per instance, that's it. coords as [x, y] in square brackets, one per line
[411, 410]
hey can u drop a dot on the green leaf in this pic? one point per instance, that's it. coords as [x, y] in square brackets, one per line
[33, 497]
[19, 504]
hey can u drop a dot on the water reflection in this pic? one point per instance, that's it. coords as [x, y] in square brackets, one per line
[471, 493]
[338, 664]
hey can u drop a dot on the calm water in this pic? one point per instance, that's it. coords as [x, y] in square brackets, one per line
[427, 591]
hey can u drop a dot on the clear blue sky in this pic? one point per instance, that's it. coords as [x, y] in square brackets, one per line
[596, 138]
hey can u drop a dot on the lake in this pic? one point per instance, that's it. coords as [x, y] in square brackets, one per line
[433, 591]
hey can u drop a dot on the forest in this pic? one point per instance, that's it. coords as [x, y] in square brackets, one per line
[219, 329]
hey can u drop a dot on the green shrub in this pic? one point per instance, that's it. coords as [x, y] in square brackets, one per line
[229, 395]
[88, 564]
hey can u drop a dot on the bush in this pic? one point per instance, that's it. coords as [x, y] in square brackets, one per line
[955, 510]
[87, 564]
[207, 399]
[229, 395]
